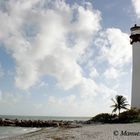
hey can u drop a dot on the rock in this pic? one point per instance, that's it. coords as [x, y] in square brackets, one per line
[39, 123]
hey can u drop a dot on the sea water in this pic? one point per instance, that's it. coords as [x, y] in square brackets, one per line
[14, 131]
[44, 118]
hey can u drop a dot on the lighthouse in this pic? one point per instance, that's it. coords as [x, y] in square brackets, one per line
[135, 41]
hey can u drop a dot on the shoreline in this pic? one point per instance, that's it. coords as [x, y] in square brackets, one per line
[30, 135]
[10, 131]
[86, 132]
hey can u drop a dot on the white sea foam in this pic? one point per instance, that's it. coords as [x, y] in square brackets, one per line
[14, 131]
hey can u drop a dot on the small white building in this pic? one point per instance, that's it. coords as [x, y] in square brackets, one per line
[135, 41]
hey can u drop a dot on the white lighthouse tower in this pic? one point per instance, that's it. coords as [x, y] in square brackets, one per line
[135, 41]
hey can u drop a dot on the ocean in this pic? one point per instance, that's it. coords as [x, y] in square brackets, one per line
[13, 131]
[6, 131]
[44, 118]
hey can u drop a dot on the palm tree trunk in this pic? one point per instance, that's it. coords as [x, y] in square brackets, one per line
[119, 114]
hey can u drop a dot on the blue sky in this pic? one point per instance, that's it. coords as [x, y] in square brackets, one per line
[64, 58]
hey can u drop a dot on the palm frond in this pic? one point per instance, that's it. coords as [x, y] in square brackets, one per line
[120, 102]
[114, 110]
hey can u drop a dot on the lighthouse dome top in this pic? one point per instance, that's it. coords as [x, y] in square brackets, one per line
[135, 34]
[135, 30]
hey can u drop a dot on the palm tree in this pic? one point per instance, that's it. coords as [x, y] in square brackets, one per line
[120, 102]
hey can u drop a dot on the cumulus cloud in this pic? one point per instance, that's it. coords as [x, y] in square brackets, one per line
[111, 73]
[47, 38]
[93, 73]
[88, 88]
[54, 38]
[136, 4]
[71, 105]
[86, 105]
[116, 47]
[5, 97]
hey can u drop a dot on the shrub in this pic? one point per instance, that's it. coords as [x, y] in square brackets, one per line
[104, 118]
[131, 115]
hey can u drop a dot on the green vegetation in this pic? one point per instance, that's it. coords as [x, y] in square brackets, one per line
[120, 103]
[104, 118]
[128, 116]
[132, 115]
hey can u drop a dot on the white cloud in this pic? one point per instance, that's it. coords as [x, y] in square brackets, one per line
[87, 105]
[9, 98]
[52, 38]
[93, 73]
[107, 92]
[47, 40]
[66, 105]
[116, 47]
[43, 84]
[112, 73]
[38, 106]
[88, 88]
[115, 55]
[64, 67]
[136, 4]
[71, 106]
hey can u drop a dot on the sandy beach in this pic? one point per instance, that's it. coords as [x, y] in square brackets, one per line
[86, 132]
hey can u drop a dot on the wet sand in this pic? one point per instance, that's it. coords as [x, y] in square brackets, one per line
[86, 132]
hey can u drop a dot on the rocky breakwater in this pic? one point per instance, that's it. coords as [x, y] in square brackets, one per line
[40, 123]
